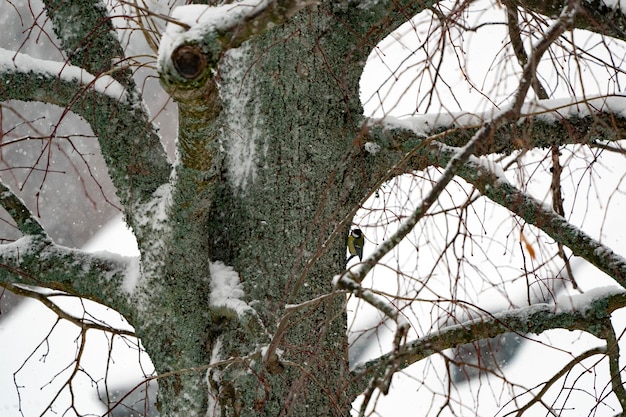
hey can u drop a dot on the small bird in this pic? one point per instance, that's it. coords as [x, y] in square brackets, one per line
[356, 240]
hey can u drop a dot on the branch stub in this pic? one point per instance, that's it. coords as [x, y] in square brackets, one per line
[189, 61]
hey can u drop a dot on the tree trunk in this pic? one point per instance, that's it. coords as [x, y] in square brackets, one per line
[276, 206]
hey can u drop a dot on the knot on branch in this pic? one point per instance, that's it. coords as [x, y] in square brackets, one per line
[187, 72]
[189, 61]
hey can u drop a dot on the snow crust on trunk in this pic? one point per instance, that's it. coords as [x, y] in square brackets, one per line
[226, 288]
[243, 132]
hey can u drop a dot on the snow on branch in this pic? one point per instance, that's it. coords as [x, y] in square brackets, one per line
[130, 145]
[21, 63]
[550, 111]
[226, 290]
[32, 260]
[199, 34]
[586, 312]
[541, 125]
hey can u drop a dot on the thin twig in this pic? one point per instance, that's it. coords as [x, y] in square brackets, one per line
[45, 300]
[612, 348]
[540, 91]
[549, 383]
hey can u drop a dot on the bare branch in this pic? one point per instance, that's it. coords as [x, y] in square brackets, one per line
[613, 351]
[538, 397]
[518, 48]
[557, 206]
[26, 222]
[534, 212]
[44, 299]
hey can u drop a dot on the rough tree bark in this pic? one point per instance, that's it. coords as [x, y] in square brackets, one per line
[273, 164]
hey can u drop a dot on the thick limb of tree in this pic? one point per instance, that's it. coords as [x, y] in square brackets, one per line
[532, 319]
